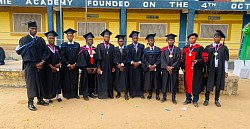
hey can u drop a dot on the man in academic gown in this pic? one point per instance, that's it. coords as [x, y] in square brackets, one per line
[135, 53]
[151, 64]
[170, 65]
[2, 56]
[34, 53]
[70, 73]
[194, 60]
[121, 68]
[217, 67]
[87, 62]
[105, 64]
[52, 69]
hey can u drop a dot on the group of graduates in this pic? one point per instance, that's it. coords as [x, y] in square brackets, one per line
[132, 69]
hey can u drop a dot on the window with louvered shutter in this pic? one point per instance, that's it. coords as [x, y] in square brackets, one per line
[20, 21]
[150, 28]
[208, 30]
[94, 27]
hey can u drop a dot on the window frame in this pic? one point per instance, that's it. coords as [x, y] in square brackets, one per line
[77, 23]
[227, 35]
[13, 25]
[167, 28]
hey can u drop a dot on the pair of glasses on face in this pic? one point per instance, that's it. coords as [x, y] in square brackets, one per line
[120, 41]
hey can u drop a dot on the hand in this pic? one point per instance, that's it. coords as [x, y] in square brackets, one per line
[119, 66]
[151, 68]
[113, 70]
[122, 69]
[71, 67]
[194, 62]
[94, 71]
[89, 70]
[58, 65]
[39, 65]
[170, 72]
[53, 69]
[135, 64]
[99, 71]
[205, 75]
[226, 75]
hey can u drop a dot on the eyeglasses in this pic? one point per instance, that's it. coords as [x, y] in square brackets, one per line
[120, 41]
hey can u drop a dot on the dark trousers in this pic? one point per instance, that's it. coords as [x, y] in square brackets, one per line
[30, 100]
[189, 98]
[217, 95]
[173, 95]
[151, 91]
[217, 92]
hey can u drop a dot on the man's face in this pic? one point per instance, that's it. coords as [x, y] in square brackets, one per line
[51, 40]
[106, 38]
[121, 42]
[90, 41]
[217, 39]
[135, 39]
[70, 37]
[192, 39]
[170, 42]
[33, 30]
[151, 42]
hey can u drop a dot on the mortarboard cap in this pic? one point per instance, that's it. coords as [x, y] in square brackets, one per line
[150, 36]
[120, 36]
[51, 33]
[106, 32]
[88, 35]
[134, 33]
[32, 24]
[171, 36]
[193, 34]
[70, 31]
[219, 33]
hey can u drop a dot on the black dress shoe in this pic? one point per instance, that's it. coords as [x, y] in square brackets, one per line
[118, 96]
[86, 98]
[77, 97]
[32, 107]
[50, 101]
[157, 97]
[174, 101]
[59, 100]
[217, 103]
[92, 96]
[163, 100]
[186, 102]
[196, 104]
[142, 97]
[126, 97]
[149, 97]
[205, 103]
[42, 102]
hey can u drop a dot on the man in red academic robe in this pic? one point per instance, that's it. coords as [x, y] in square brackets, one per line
[193, 62]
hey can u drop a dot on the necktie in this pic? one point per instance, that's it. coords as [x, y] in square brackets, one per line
[216, 47]
[90, 50]
[121, 50]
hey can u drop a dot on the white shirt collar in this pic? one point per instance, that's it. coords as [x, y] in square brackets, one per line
[214, 44]
[32, 36]
[192, 44]
[152, 47]
[71, 42]
[121, 47]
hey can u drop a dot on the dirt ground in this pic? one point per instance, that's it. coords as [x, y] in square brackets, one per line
[120, 114]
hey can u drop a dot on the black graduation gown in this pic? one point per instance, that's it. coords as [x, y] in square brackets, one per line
[105, 61]
[121, 78]
[193, 77]
[2, 55]
[135, 74]
[33, 51]
[87, 80]
[170, 82]
[223, 55]
[53, 79]
[69, 54]
[152, 79]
